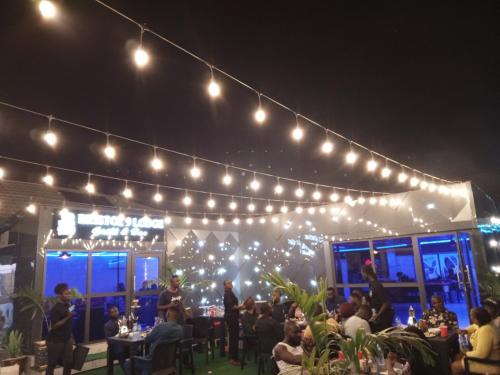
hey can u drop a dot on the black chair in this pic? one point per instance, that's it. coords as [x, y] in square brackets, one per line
[163, 359]
[203, 335]
[249, 341]
[468, 360]
[185, 349]
[111, 357]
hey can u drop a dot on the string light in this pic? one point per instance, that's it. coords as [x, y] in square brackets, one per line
[127, 192]
[220, 221]
[327, 146]
[90, 187]
[188, 220]
[432, 187]
[386, 172]
[141, 57]
[297, 132]
[278, 189]
[48, 179]
[233, 205]
[251, 206]
[269, 207]
[414, 181]
[371, 165]
[260, 115]
[274, 220]
[299, 209]
[262, 220]
[156, 163]
[167, 220]
[187, 200]
[284, 208]
[109, 150]
[195, 171]
[227, 179]
[317, 194]
[2, 173]
[424, 184]
[255, 184]
[213, 87]
[334, 197]
[402, 177]
[158, 197]
[351, 157]
[236, 221]
[211, 202]
[348, 199]
[31, 208]
[249, 220]
[204, 221]
[299, 192]
[373, 201]
[47, 9]
[361, 200]
[49, 136]
[311, 210]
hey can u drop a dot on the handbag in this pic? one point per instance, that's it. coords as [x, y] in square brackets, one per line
[79, 356]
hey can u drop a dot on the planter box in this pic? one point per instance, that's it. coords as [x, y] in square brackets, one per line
[10, 363]
[10, 370]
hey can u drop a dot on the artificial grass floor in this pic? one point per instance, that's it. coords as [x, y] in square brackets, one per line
[218, 366]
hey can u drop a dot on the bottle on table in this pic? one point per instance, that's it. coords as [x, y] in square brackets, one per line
[412, 321]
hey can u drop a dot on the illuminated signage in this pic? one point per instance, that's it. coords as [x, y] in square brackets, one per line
[92, 225]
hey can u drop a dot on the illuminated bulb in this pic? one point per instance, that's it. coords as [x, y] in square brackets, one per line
[204, 221]
[260, 115]
[127, 193]
[274, 220]
[220, 221]
[262, 220]
[188, 220]
[2, 173]
[278, 189]
[316, 195]
[227, 179]
[249, 221]
[50, 138]
[402, 177]
[327, 147]
[299, 192]
[213, 89]
[334, 197]
[383, 201]
[373, 201]
[47, 9]
[361, 200]
[371, 165]
[269, 208]
[493, 243]
[386, 172]
[156, 164]
[187, 200]
[284, 209]
[297, 133]
[141, 57]
[211, 203]
[424, 184]
[233, 205]
[432, 187]
[414, 181]
[255, 184]
[90, 187]
[110, 152]
[31, 209]
[48, 179]
[195, 172]
[311, 210]
[299, 209]
[251, 207]
[351, 157]
[158, 197]
[167, 220]
[236, 221]
[348, 199]
[322, 210]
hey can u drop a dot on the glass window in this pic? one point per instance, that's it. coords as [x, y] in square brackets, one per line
[66, 267]
[146, 273]
[402, 299]
[79, 320]
[394, 260]
[109, 272]
[147, 311]
[99, 314]
[349, 258]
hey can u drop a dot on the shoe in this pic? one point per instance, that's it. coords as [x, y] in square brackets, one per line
[235, 362]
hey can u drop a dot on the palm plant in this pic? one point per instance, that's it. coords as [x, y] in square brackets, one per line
[13, 343]
[489, 285]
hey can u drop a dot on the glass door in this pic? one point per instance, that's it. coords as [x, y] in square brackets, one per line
[469, 270]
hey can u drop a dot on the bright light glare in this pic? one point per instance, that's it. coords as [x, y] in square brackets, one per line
[386, 172]
[90, 188]
[227, 179]
[2, 173]
[284, 209]
[297, 133]
[50, 138]
[158, 197]
[260, 115]
[251, 207]
[127, 193]
[255, 185]
[141, 57]
[371, 165]
[351, 157]
[188, 220]
[211, 203]
[334, 197]
[213, 89]
[110, 152]
[233, 205]
[167, 220]
[48, 179]
[316, 195]
[414, 181]
[327, 147]
[195, 172]
[299, 192]
[31, 209]
[156, 164]
[187, 200]
[402, 177]
[47, 9]
[220, 221]
[278, 189]
[269, 208]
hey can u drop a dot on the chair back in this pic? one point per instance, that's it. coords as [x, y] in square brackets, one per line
[201, 326]
[188, 331]
[164, 356]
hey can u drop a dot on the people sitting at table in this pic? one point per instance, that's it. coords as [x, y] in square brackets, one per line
[493, 308]
[164, 332]
[379, 300]
[485, 345]
[268, 330]
[295, 312]
[171, 297]
[330, 326]
[249, 317]
[288, 353]
[333, 301]
[111, 329]
[356, 299]
[438, 315]
[278, 308]
[351, 323]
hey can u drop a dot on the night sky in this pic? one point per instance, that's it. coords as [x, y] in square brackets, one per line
[418, 83]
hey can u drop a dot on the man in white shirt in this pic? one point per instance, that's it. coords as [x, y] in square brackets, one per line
[288, 353]
[351, 322]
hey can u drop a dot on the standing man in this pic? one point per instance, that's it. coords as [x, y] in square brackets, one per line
[333, 300]
[278, 307]
[384, 313]
[232, 316]
[60, 340]
[171, 297]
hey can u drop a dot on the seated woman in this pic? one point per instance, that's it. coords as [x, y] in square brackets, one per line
[485, 345]
[438, 315]
[356, 299]
[249, 317]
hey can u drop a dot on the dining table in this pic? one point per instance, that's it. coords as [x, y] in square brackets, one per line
[134, 342]
[446, 348]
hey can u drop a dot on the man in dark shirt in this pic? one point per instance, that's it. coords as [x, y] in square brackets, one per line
[171, 297]
[111, 329]
[277, 307]
[232, 315]
[268, 330]
[333, 300]
[384, 312]
[60, 339]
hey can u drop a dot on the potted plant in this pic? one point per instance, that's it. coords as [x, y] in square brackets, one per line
[15, 363]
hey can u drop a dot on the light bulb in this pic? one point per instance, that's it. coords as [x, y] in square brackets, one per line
[50, 138]
[127, 193]
[386, 172]
[299, 209]
[195, 172]
[361, 200]
[414, 181]
[233, 205]
[284, 209]
[297, 133]
[274, 220]
[269, 208]
[383, 202]
[327, 147]
[262, 220]
[251, 207]
[316, 195]
[220, 221]
[373, 201]
[211, 203]
[334, 197]
[432, 187]
[47, 9]
[213, 88]
[187, 200]
[167, 220]
[158, 197]
[227, 179]
[311, 210]
[2, 173]
[402, 177]
[204, 221]
[31, 208]
[156, 163]
[322, 210]
[236, 221]
[141, 57]
[255, 184]
[299, 192]
[348, 199]
[260, 115]
[188, 220]
[48, 179]
[424, 184]
[371, 165]
[351, 157]
[249, 221]
[90, 187]
[110, 152]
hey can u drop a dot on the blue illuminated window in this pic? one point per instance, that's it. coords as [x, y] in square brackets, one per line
[394, 260]
[148, 309]
[401, 300]
[146, 273]
[99, 314]
[66, 267]
[349, 258]
[109, 272]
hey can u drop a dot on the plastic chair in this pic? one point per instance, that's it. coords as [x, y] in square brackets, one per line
[467, 361]
[203, 335]
[163, 360]
[186, 348]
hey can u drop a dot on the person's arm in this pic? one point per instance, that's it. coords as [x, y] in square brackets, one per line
[485, 339]
[58, 320]
[383, 308]
[153, 335]
[165, 302]
[281, 354]
[109, 330]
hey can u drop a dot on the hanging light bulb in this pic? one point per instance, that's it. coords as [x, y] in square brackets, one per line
[334, 197]
[188, 220]
[227, 179]
[432, 187]
[2, 173]
[269, 208]
[158, 197]
[262, 220]
[249, 220]
[284, 208]
[47, 9]
[211, 202]
[255, 184]
[260, 115]
[371, 165]
[351, 157]
[383, 202]
[31, 208]
[373, 201]
[109, 150]
[327, 146]
[187, 200]
[361, 200]
[251, 207]
[386, 172]
[220, 221]
[213, 87]
[233, 205]
[236, 221]
[127, 192]
[299, 192]
[297, 132]
[50, 138]
[317, 194]
[348, 199]
[278, 189]
[424, 184]
[195, 171]
[48, 179]
[156, 162]
[167, 220]
[141, 57]
[274, 220]
[322, 210]
[414, 181]
[402, 177]
[299, 209]
[204, 221]
[311, 210]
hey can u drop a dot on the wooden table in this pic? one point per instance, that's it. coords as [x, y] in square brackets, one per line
[446, 348]
[133, 343]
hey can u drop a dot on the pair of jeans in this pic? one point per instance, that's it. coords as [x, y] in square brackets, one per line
[60, 352]
[233, 327]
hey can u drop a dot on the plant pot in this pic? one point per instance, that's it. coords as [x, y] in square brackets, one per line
[40, 352]
[9, 363]
[11, 370]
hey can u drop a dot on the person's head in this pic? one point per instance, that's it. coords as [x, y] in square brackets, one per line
[145, 284]
[266, 310]
[292, 333]
[492, 307]
[331, 292]
[173, 313]
[276, 296]
[113, 312]
[228, 284]
[368, 272]
[63, 291]
[346, 310]
[364, 312]
[355, 299]
[437, 303]
[175, 282]
[249, 304]
[480, 316]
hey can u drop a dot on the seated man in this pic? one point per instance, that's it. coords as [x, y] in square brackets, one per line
[111, 329]
[438, 315]
[288, 353]
[165, 332]
[268, 330]
[350, 322]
